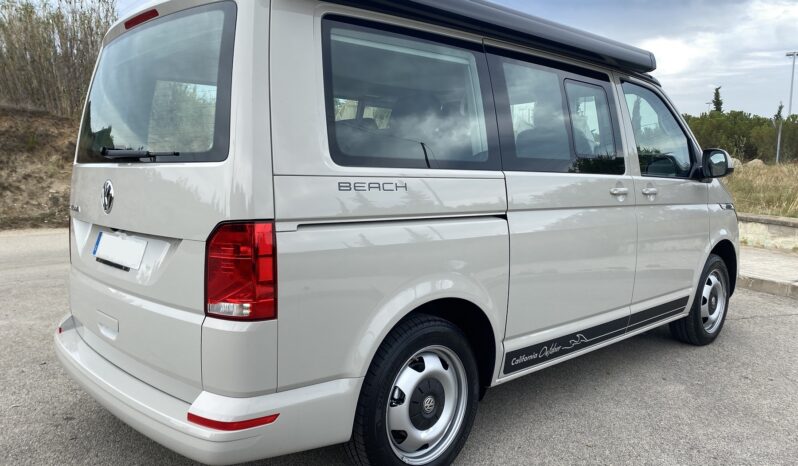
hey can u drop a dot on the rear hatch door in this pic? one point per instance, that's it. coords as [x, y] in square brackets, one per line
[154, 174]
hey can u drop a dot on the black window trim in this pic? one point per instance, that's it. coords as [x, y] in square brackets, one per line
[565, 72]
[692, 145]
[338, 157]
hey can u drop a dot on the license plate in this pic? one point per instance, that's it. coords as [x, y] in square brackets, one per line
[124, 251]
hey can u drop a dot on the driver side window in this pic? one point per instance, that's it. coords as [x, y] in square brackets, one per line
[662, 147]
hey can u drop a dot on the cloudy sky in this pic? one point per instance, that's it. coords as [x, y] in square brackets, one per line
[699, 44]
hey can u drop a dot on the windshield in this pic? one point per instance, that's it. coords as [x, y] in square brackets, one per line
[164, 87]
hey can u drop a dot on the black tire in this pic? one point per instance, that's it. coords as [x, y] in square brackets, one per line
[370, 443]
[692, 328]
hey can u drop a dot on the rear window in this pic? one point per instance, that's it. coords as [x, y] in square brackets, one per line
[164, 87]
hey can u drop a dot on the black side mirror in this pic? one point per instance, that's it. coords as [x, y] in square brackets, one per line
[716, 163]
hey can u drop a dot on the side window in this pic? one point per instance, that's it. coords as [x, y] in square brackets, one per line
[590, 120]
[662, 146]
[396, 100]
[558, 125]
[540, 128]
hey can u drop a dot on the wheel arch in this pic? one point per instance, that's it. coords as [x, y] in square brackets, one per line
[476, 326]
[726, 251]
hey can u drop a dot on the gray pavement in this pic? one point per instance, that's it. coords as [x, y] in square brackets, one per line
[770, 270]
[648, 400]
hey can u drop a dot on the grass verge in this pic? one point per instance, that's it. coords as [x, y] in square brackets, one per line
[765, 189]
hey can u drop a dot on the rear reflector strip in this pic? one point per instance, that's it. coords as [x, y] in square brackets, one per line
[234, 425]
[138, 19]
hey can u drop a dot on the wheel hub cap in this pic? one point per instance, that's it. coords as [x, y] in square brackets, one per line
[427, 405]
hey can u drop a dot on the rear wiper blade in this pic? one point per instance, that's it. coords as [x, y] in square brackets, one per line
[115, 154]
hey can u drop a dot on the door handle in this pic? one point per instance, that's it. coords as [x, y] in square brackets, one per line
[650, 191]
[619, 191]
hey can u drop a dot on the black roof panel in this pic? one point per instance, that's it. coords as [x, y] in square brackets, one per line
[501, 23]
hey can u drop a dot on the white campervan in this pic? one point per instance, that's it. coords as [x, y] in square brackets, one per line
[296, 223]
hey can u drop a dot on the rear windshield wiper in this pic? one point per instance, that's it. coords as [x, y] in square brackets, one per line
[117, 154]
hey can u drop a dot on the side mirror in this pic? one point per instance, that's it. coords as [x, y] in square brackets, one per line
[716, 163]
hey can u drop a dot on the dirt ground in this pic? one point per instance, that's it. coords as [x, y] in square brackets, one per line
[36, 152]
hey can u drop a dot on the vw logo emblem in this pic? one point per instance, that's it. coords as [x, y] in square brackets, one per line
[429, 404]
[108, 196]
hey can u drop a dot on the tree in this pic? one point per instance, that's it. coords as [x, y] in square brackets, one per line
[48, 49]
[778, 117]
[744, 135]
[717, 102]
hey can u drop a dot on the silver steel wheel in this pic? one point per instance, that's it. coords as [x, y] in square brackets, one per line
[713, 302]
[427, 405]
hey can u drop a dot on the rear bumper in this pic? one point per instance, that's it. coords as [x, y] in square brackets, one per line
[310, 417]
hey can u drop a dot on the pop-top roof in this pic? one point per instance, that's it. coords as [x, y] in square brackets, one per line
[501, 23]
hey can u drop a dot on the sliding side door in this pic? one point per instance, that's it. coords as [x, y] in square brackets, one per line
[571, 208]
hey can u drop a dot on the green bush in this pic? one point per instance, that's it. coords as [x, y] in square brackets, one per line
[746, 136]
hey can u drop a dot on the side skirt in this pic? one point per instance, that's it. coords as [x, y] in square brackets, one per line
[535, 357]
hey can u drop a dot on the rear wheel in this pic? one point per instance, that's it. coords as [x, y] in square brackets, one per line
[418, 400]
[710, 305]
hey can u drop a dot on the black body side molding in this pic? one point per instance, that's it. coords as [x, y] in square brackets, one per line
[546, 351]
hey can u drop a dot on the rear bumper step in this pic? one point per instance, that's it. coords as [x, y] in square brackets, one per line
[309, 417]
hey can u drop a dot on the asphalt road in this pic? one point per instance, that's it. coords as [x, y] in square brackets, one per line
[648, 400]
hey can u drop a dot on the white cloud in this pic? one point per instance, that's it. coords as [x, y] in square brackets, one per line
[676, 56]
[745, 55]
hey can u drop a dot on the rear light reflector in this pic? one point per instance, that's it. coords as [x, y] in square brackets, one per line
[234, 425]
[241, 274]
[143, 17]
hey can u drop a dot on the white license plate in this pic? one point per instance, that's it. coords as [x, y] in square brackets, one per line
[124, 251]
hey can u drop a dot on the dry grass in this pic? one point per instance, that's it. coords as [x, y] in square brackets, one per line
[47, 54]
[36, 151]
[765, 189]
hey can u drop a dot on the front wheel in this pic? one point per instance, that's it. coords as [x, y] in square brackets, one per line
[419, 397]
[710, 306]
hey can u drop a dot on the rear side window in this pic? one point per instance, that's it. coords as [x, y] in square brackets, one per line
[590, 120]
[662, 146]
[540, 127]
[164, 87]
[553, 120]
[400, 100]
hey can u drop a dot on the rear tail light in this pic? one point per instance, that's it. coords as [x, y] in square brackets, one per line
[241, 274]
